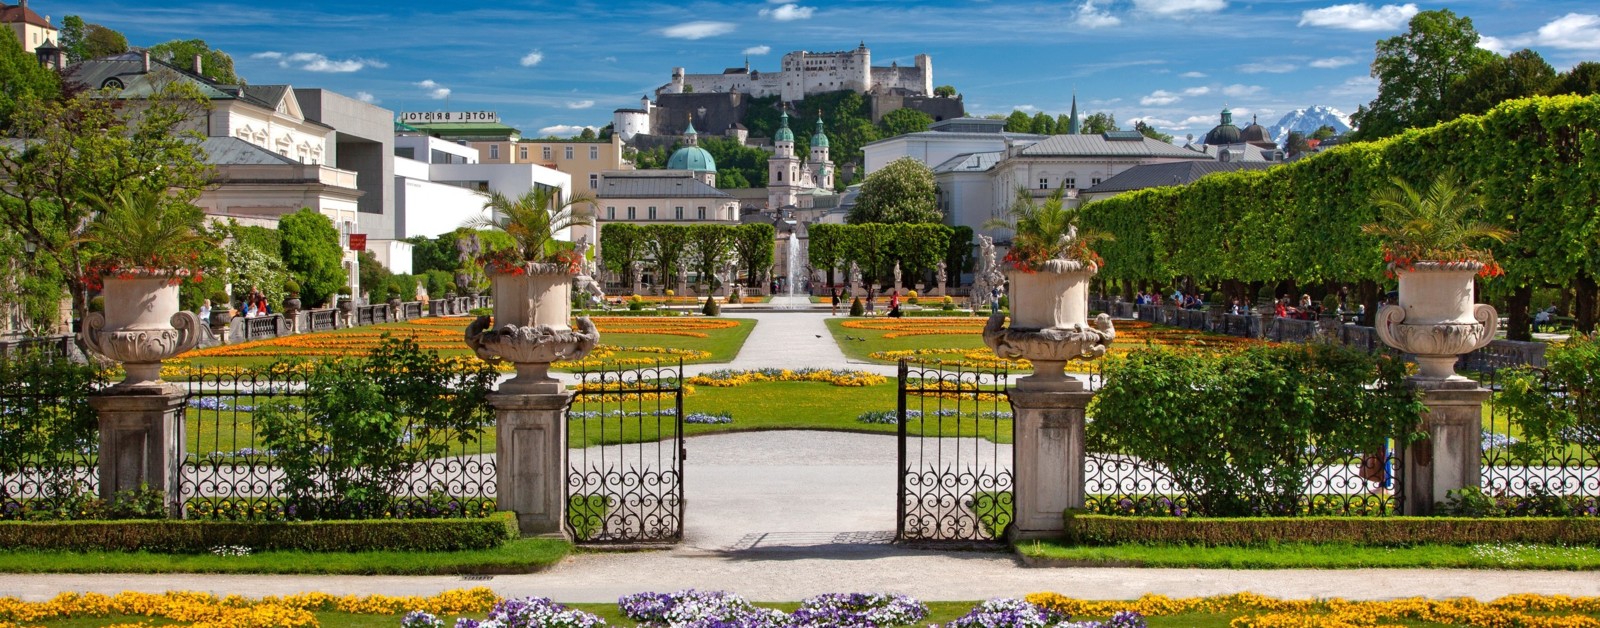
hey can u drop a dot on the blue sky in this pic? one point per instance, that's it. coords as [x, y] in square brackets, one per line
[554, 66]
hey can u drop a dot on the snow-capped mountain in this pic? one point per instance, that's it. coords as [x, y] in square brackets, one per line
[1307, 121]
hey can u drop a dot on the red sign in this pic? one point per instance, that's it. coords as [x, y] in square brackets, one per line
[358, 241]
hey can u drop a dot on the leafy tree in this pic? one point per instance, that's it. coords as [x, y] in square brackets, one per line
[1098, 122]
[95, 41]
[709, 248]
[586, 134]
[70, 37]
[215, 64]
[22, 79]
[312, 254]
[1583, 79]
[1145, 129]
[666, 245]
[1324, 132]
[1019, 122]
[1064, 123]
[1043, 124]
[255, 260]
[904, 120]
[1522, 74]
[945, 91]
[738, 166]
[959, 257]
[754, 244]
[621, 244]
[902, 191]
[653, 158]
[1417, 72]
[1296, 143]
[373, 277]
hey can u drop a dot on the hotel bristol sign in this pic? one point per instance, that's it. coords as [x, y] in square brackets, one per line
[449, 116]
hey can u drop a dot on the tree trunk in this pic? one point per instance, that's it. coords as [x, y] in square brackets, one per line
[1585, 303]
[1370, 297]
[1517, 303]
[1564, 301]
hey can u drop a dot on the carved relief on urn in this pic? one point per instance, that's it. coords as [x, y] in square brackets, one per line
[532, 304]
[1049, 323]
[141, 326]
[1436, 319]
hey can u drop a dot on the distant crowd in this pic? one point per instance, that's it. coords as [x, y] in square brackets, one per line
[1282, 307]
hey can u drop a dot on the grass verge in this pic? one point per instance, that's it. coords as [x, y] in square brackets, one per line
[517, 556]
[1312, 556]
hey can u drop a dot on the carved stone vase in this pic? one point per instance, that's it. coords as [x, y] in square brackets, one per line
[1050, 324]
[141, 326]
[532, 304]
[1436, 319]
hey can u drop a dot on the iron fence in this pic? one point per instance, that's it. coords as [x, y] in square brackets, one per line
[49, 453]
[255, 447]
[625, 456]
[1539, 469]
[955, 453]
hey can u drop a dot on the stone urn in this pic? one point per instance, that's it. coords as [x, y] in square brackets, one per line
[346, 304]
[1436, 319]
[532, 305]
[394, 308]
[291, 312]
[221, 315]
[1050, 323]
[141, 326]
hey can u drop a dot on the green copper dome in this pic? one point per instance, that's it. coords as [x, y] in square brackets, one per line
[692, 158]
[784, 134]
[818, 140]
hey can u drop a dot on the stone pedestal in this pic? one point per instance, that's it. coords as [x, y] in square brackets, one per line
[1048, 477]
[1452, 456]
[141, 440]
[531, 459]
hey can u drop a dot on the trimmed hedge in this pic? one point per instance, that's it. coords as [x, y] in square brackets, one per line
[196, 537]
[1375, 531]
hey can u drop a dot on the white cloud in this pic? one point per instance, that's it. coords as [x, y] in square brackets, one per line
[1193, 74]
[1364, 87]
[697, 30]
[1332, 62]
[434, 90]
[1155, 122]
[1179, 8]
[1360, 16]
[1024, 108]
[1196, 91]
[1494, 44]
[580, 104]
[1090, 16]
[1267, 67]
[1573, 31]
[758, 50]
[609, 59]
[1239, 91]
[1200, 119]
[531, 59]
[563, 130]
[315, 62]
[1160, 98]
[367, 97]
[788, 12]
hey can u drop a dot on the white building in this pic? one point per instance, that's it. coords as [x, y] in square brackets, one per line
[942, 141]
[805, 73]
[31, 29]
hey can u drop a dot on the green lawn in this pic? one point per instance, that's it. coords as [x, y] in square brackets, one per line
[516, 556]
[874, 341]
[1319, 556]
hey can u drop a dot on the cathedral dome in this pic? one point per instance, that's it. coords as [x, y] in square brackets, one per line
[692, 158]
[1225, 133]
[818, 140]
[784, 134]
[1256, 134]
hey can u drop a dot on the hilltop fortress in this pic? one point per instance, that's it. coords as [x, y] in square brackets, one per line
[805, 73]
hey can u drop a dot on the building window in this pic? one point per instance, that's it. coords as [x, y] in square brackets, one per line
[701, 212]
[594, 181]
[652, 213]
[547, 153]
[494, 151]
[522, 153]
[1044, 183]
[677, 213]
[630, 213]
[611, 213]
[569, 152]
[1070, 183]
[594, 153]
[1094, 182]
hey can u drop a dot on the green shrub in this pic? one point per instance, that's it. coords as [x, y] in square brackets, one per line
[481, 311]
[1005, 301]
[1560, 403]
[198, 537]
[711, 308]
[734, 298]
[1241, 433]
[45, 412]
[1378, 531]
[857, 308]
[292, 287]
[947, 304]
[221, 300]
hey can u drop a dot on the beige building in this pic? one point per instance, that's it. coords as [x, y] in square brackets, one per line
[583, 160]
[30, 28]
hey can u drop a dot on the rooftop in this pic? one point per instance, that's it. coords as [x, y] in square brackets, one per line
[656, 184]
[1107, 145]
[970, 162]
[1175, 173]
[13, 13]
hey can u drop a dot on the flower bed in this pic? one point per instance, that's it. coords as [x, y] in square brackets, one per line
[198, 537]
[728, 378]
[1257, 611]
[1370, 531]
[1130, 335]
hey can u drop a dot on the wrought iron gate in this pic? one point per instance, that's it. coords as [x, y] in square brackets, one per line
[956, 460]
[625, 456]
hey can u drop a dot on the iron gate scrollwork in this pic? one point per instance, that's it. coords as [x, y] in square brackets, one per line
[955, 453]
[625, 456]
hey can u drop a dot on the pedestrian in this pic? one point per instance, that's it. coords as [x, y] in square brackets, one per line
[894, 304]
[835, 291]
[994, 299]
[872, 302]
[205, 311]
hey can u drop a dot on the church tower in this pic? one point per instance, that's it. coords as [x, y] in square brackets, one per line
[819, 164]
[1072, 123]
[783, 168]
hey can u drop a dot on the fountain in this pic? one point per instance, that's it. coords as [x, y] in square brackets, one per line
[794, 261]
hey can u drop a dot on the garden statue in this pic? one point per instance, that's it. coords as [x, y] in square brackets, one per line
[982, 284]
[683, 276]
[855, 279]
[635, 272]
[942, 277]
[897, 277]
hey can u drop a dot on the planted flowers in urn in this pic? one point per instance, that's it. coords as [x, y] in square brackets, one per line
[1427, 237]
[532, 287]
[1050, 266]
[144, 243]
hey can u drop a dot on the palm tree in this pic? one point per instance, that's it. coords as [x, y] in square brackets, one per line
[1048, 230]
[533, 219]
[1433, 224]
[144, 227]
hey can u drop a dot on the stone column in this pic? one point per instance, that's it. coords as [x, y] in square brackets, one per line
[531, 459]
[1049, 459]
[1452, 456]
[141, 440]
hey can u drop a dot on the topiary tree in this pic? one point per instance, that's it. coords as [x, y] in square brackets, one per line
[312, 253]
[902, 191]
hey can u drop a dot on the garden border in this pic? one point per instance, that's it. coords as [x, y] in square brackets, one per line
[1100, 530]
[197, 537]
